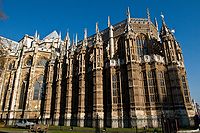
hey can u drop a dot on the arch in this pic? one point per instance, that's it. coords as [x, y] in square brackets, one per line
[121, 48]
[1, 64]
[38, 87]
[42, 62]
[28, 61]
[141, 41]
[11, 65]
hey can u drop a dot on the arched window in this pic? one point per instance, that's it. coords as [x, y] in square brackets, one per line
[38, 88]
[42, 62]
[1, 64]
[141, 45]
[22, 94]
[11, 65]
[121, 51]
[115, 88]
[29, 62]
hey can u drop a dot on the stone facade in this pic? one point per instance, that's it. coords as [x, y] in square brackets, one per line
[127, 75]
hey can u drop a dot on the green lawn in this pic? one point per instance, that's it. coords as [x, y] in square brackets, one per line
[64, 129]
[57, 129]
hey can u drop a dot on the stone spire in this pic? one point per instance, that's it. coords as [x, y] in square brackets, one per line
[108, 21]
[111, 40]
[85, 33]
[38, 37]
[97, 28]
[98, 35]
[36, 34]
[156, 24]
[128, 20]
[73, 46]
[128, 15]
[67, 40]
[85, 37]
[164, 28]
[76, 39]
[148, 15]
[60, 35]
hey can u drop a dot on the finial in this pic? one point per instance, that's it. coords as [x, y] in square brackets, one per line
[67, 39]
[85, 33]
[173, 31]
[76, 39]
[36, 34]
[60, 34]
[148, 15]
[108, 21]
[128, 15]
[162, 16]
[97, 28]
[73, 40]
[156, 23]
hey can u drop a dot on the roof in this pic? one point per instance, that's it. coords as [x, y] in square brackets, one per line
[52, 35]
[7, 43]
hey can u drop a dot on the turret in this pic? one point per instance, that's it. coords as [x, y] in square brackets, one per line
[85, 38]
[98, 77]
[148, 15]
[67, 41]
[111, 40]
[156, 25]
[169, 42]
[66, 45]
[164, 29]
[76, 40]
[128, 19]
[98, 38]
[36, 36]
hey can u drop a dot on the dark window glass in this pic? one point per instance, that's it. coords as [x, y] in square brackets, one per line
[29, 62]
[42, 62]
[141, 45]
[38, 88]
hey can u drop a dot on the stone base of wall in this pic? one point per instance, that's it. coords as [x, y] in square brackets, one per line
[140, 122]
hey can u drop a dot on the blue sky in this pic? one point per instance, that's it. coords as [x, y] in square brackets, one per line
[27, 16]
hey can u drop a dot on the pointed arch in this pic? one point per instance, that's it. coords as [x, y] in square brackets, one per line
[141, 41]
[42, 62]
[121, 48]
[38, 88]
[28, 61]
[11, 65]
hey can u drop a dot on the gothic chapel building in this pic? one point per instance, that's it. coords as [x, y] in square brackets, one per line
[129, 74]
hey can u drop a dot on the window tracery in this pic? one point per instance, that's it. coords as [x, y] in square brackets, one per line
[29, 62]
[141, 42]
[11, 65]
[38, 88]
[42, 62]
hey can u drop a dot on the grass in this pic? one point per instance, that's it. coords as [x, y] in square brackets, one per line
[11, 129]
[64, 129]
